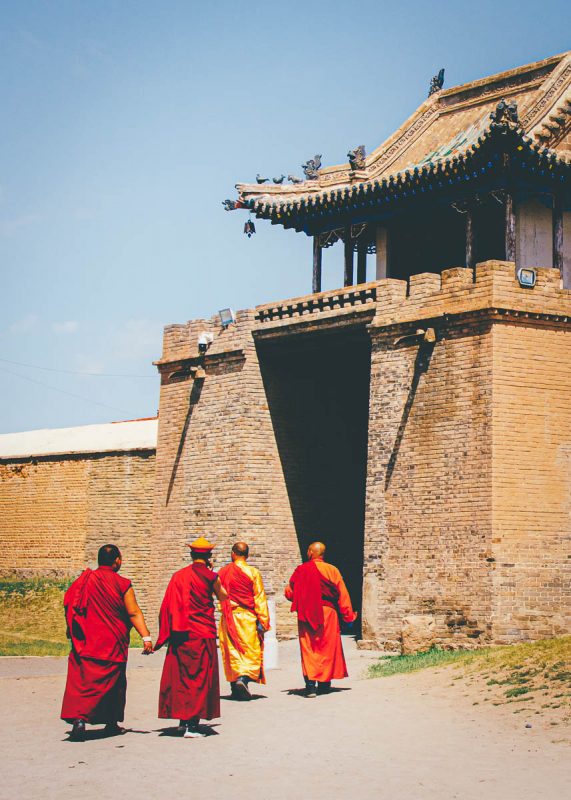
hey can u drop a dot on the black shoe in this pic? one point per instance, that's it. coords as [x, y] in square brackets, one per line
[113, 729]
[323, 687]
[310, 688]
[77, 733]
[241, 689]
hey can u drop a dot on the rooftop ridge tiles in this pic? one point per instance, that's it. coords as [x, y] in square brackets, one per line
[438, 167]
[412, 129]
[505, 74]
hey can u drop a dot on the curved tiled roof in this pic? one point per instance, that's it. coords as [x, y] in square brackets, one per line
[449, 135]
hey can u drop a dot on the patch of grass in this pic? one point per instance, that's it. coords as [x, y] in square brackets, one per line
[32, 620]
[506, 672]
[32, 586]
[9, 646]
[515, 691]
[395, 665]
[32, 617]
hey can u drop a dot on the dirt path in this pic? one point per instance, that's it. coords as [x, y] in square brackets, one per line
[400, 738]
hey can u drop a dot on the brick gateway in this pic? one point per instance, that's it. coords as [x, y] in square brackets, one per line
[421, 428]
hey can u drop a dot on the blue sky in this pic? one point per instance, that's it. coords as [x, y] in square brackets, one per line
[124, 126]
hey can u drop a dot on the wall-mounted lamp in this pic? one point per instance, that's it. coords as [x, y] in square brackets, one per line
[204, 341]
[227, 317]
[428, 336]
[527, 277]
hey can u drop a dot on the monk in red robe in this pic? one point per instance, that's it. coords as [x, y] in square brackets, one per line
[100, 609]
[190, 688]
[319, 596]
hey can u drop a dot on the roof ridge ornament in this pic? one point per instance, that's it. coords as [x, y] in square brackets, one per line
[436, 83]
[357, 157]
[311, 168]
[505, 116]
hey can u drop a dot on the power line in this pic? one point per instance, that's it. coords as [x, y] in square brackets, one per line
[63, 391]
[73, 372]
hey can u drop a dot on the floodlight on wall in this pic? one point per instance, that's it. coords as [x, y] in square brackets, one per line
[527, 277]
[227, 317]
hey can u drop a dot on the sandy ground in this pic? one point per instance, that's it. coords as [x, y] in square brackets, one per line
[400, 738]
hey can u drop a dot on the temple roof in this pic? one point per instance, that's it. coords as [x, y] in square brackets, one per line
[531, 103]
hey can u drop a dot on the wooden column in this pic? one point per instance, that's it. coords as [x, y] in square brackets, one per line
[317, 252]
[558, 261]
[362, 258]
[382, 260]
[510, 228]
[348, 276]
[470, 240]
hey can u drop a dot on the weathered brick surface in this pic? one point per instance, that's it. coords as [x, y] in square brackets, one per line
[428, 525]
[55, 512]
[531, 481]
[468, 450]
[218, 469]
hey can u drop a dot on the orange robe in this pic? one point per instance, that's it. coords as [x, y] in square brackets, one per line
[240, 644]
[322, 656]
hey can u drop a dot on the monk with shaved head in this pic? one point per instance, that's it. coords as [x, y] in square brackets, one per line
[319, 596]
[243, 622]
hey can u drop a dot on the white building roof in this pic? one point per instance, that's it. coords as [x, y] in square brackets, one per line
[136, 434]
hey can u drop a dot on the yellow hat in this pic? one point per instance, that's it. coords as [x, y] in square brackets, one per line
[201, 545]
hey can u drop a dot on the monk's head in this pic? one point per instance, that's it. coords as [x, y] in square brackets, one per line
[110, 556]
[315, 550]
[240, 551]
[201, 555]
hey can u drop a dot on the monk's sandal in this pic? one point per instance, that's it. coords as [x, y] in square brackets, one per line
[192, 731]
[77, 733]
[241, 689]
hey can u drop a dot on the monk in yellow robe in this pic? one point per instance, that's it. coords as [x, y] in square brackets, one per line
[243, 622]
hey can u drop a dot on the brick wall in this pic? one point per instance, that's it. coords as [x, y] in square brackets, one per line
[55, 512]
[450, 532]
[531, 481]
[428, 527]
[218, 467]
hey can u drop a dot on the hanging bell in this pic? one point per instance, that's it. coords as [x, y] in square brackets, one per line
[249, 228]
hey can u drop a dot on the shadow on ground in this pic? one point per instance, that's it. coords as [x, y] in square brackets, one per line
[301, 692]
[173, 731]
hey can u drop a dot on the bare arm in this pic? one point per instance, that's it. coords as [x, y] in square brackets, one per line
[220, 591]
[137, 618]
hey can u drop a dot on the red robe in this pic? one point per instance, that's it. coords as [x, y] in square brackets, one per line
[189, 682]
[319, 595]
[98, 626]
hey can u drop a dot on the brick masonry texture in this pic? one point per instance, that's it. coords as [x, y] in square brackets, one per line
[55, 513]
[463, 512]
[435, 468]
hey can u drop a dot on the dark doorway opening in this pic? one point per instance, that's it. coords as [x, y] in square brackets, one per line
[430, 240]
[317, 387]
[489, 228]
